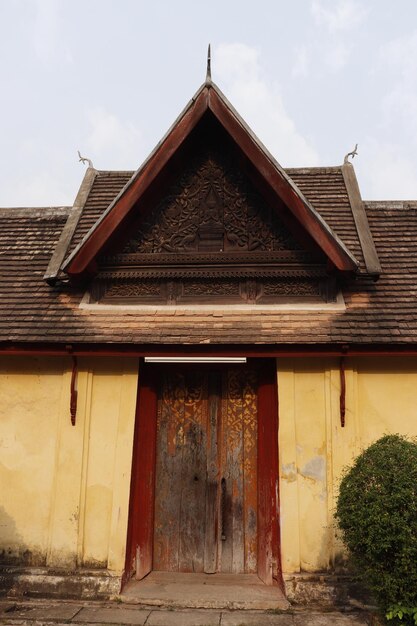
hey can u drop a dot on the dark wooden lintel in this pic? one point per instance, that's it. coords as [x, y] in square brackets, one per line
[248, 350]
[207, 271]
[212, 258]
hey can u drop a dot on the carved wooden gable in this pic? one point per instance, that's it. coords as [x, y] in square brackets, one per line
[212, 208]
[216, 218]
[212, 238]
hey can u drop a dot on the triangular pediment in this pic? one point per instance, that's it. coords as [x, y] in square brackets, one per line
[212, 207]
[209, 188]
[211, 237]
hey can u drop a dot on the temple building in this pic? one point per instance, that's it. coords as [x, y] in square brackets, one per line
[189, 357]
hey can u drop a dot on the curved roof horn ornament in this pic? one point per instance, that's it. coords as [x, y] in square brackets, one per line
[85, 160]
[352, 154]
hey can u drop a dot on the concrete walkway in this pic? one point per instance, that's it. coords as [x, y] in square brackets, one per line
[54, 612]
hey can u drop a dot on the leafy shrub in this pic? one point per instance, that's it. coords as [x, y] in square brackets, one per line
[402, 614]
[377, 514]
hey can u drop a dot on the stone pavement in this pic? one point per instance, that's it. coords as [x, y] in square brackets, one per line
[58, 612]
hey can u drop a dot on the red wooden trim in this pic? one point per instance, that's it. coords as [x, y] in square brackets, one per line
[152, 169]
[73, 390]
[269, 553]
[142, 487]
[248, 350]
[279, 184]
[142, 491]
[342, 392]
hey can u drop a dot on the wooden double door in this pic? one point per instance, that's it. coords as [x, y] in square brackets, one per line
[206, 471]
[204, 490]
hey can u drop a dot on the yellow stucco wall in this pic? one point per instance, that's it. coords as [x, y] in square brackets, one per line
[65, 489]
[314, 448]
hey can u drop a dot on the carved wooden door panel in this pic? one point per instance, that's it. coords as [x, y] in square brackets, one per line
[205, 517]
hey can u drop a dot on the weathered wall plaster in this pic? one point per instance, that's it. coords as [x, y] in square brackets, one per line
[314, 448]
[65, 489]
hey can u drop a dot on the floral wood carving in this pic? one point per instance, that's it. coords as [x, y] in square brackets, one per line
[212, 239]
[211, 288]
[136, 288]
[206, 290]
[213, 208]
[291, 288]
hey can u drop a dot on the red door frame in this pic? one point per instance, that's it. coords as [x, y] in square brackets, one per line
[142, 488]
[142, 484]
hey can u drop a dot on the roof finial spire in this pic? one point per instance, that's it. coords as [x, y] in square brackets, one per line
[208, 75]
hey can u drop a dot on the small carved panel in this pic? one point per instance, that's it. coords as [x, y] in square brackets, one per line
[213, 207]
[211, 288]
[148, 291]
[132, 289]
[289, 287]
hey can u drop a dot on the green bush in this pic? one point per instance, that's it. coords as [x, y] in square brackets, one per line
[402, 614]
[377, 514]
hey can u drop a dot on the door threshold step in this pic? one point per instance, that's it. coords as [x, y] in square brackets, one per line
[204, 591]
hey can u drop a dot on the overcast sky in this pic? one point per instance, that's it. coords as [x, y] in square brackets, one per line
[108, 77]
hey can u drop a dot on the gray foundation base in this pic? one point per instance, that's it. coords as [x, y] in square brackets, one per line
[44, 582]
[324, 590]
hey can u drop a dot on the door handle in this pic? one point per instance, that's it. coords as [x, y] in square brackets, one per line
[223, 508]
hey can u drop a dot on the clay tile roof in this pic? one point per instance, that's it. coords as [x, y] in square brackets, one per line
[381, 312]
[106, 186]
[325, 188]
